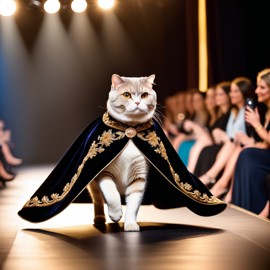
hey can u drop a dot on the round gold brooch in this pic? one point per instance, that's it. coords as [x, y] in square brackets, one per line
[130, 132]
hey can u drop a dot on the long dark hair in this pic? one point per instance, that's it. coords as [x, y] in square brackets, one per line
[246, 87]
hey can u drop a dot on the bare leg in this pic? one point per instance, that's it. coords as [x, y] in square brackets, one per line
[265, 211]
[228, 197]
[4, 174]
[196, 150]
[221, 160]
[9, 157]
[221, 187]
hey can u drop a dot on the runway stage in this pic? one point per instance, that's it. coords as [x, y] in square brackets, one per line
[169, 239]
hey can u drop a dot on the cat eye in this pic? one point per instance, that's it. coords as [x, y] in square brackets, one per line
[126, 95]
[144, 95]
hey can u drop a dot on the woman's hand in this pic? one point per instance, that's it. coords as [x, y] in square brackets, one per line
[219, 135]
[244, 139]
[188, 125]
[252, 117]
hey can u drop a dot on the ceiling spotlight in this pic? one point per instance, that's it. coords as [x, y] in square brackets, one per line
[7, 7]
[52, 6]
[35, 3]
[78, 6]
[106, 4]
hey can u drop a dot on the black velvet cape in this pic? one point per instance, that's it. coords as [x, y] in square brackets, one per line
[169, 184]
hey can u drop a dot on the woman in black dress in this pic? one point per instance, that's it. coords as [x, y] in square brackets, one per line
[218, 105]
[212, 160]
[253, 165]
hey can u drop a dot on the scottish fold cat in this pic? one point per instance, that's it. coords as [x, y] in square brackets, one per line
[131, 101]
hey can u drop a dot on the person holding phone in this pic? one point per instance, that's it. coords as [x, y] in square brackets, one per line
[242, 140]
[249, 188]
[228, 140]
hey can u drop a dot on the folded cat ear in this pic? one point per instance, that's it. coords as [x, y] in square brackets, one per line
[150, 80]
[116, 80]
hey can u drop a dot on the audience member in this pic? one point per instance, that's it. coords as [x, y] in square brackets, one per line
[189, 114]
[242, 140]
[249, 188]
[174, 112]
[7, 160]
[185, 141]
[218, 105]
[178, 108]
[241, 89]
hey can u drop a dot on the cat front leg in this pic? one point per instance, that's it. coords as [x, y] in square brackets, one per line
[134, 195]
[112, 197]
[98, 201]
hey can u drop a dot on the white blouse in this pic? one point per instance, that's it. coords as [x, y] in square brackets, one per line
[236, 123]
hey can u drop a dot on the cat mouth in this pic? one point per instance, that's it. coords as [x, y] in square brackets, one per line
[136, 111]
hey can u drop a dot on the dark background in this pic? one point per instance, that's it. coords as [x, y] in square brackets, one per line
[55, 70]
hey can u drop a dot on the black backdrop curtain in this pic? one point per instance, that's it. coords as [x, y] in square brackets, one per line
[237, 33]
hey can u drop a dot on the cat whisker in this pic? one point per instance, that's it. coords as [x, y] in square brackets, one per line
[102, 108]
[158, 117]
[146, 112]
[160, 106]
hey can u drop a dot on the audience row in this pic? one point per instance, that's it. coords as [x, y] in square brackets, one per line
[223, 137]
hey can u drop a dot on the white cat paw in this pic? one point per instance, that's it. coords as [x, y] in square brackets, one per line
[115, 216]
[132, 227]
[99, 219]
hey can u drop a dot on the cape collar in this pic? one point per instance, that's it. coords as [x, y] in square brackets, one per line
[130, 132]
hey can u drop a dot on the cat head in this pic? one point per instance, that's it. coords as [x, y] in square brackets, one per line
[132, 100]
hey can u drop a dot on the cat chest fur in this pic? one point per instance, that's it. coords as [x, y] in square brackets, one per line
[130, 165]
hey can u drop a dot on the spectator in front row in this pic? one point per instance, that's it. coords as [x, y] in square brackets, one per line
[7, 160]
[218, 105]
[249, 189]
[241, 89]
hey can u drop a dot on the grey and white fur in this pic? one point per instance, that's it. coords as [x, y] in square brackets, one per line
[131, 101]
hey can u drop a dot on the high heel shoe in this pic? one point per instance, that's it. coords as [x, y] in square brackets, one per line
[207, 181]
[219, 193]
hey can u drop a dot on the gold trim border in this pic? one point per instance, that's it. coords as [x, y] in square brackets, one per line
[105, 140]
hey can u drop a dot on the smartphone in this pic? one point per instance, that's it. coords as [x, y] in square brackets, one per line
[250, 102]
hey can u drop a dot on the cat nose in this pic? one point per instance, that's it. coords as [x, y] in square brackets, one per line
[137, 102]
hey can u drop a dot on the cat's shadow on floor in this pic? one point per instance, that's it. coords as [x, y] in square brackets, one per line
[95, 238]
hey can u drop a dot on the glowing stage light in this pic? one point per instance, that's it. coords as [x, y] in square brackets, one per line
[7, 7]
[78, 6]
[106, 4]
[52, 6]
[35, 3]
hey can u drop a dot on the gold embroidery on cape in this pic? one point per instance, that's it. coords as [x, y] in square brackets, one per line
[159, 148]
[104, 140]
[117, 125]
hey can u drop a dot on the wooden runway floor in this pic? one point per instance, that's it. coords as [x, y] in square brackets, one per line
[169, 239]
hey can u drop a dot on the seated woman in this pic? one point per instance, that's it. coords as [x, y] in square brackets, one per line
[218, 105]
[249, 188]
[241, 89]
[201, 119]
[184, 111]
[242, 139]
[7, 160]
[175, 109]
